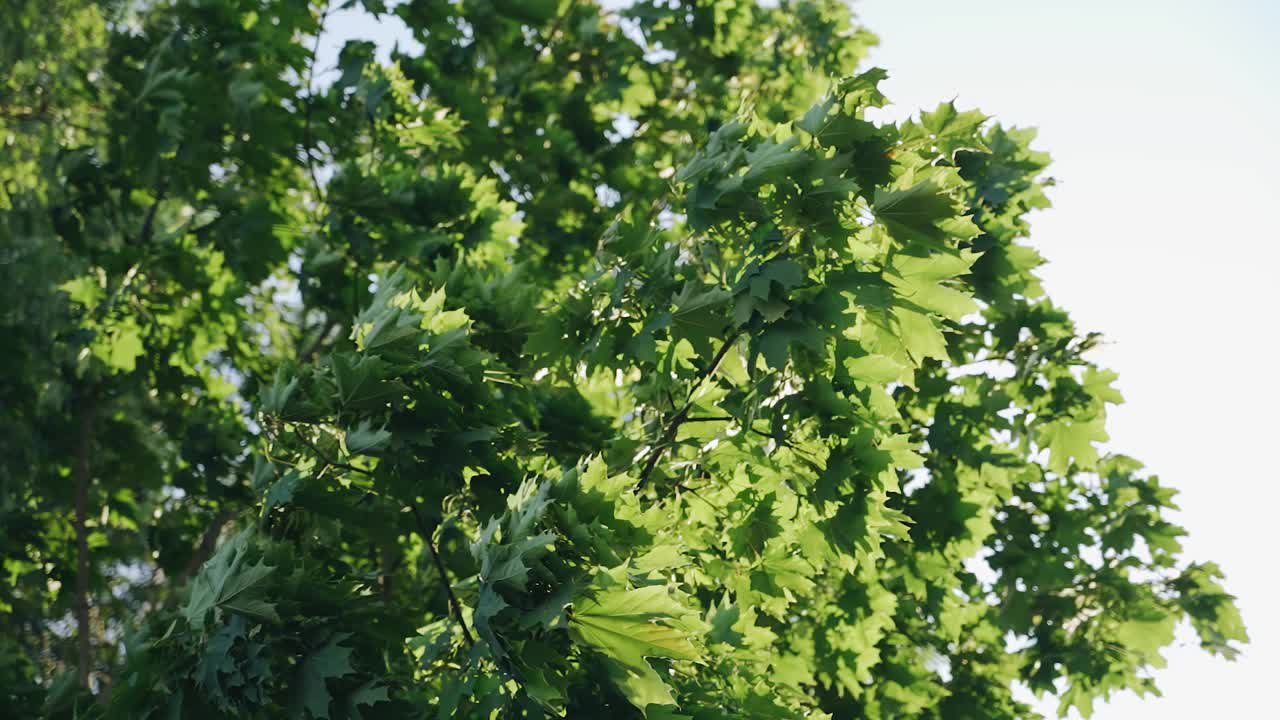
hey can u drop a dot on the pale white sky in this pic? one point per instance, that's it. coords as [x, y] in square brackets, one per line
[1162, 118]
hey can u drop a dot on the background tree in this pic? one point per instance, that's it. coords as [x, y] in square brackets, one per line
[589, 361]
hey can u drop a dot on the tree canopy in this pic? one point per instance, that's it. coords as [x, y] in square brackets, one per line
[588, 360]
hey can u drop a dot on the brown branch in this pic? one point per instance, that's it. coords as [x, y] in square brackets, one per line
[427, 533]
[84, 448]
[681, 416]
[208, 542]
[305, 354]
[329, 461]
[148, 224]
[388, 573]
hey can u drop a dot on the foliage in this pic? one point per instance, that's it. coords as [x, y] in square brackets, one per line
[586, 362]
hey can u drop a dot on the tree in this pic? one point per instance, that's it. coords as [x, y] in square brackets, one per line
[586, 361]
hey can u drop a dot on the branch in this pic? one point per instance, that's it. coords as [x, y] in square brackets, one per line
[698, 495]
[305, 354]
[206, 226]
[541, 46]
[162, 188]
[389, 565]
[208, 541]
[27, 115]
[308, 139]
[554, 30]
[106, 305]
[669, 434]
[427, 533]
[329, 461]
[147, 225]
[84, 446]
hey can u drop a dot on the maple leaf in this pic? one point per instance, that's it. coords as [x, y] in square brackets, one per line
[627, 626]
[228, 581]
[311, 694]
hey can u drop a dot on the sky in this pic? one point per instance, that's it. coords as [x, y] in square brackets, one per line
[1162, 118]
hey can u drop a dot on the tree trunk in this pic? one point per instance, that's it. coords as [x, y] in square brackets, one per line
[83, 630]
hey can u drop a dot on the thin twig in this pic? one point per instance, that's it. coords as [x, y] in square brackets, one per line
[669, 434]
[698, 495]
[106, 305]
[542, 44]
[427, 533]
[308, 139]
[330, 461]
[315, 344]
[423, 529]
[84, 447]
[545, 42]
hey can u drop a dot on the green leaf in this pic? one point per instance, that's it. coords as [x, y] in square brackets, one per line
[311, 694]
[366, 695]
[536, 11]
[123, 346]
[282, 491]
[916, 212]
[722, 618]
[275, 398]
[777, 341]
[920, 278]
[1098, 384]
[363, 439]
[873, 368]
[771, 161]
[362, 380]
[85, 290]
[699, 316]
[953, 130]
[627, 626]
[1071, 441]
[228, 581]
